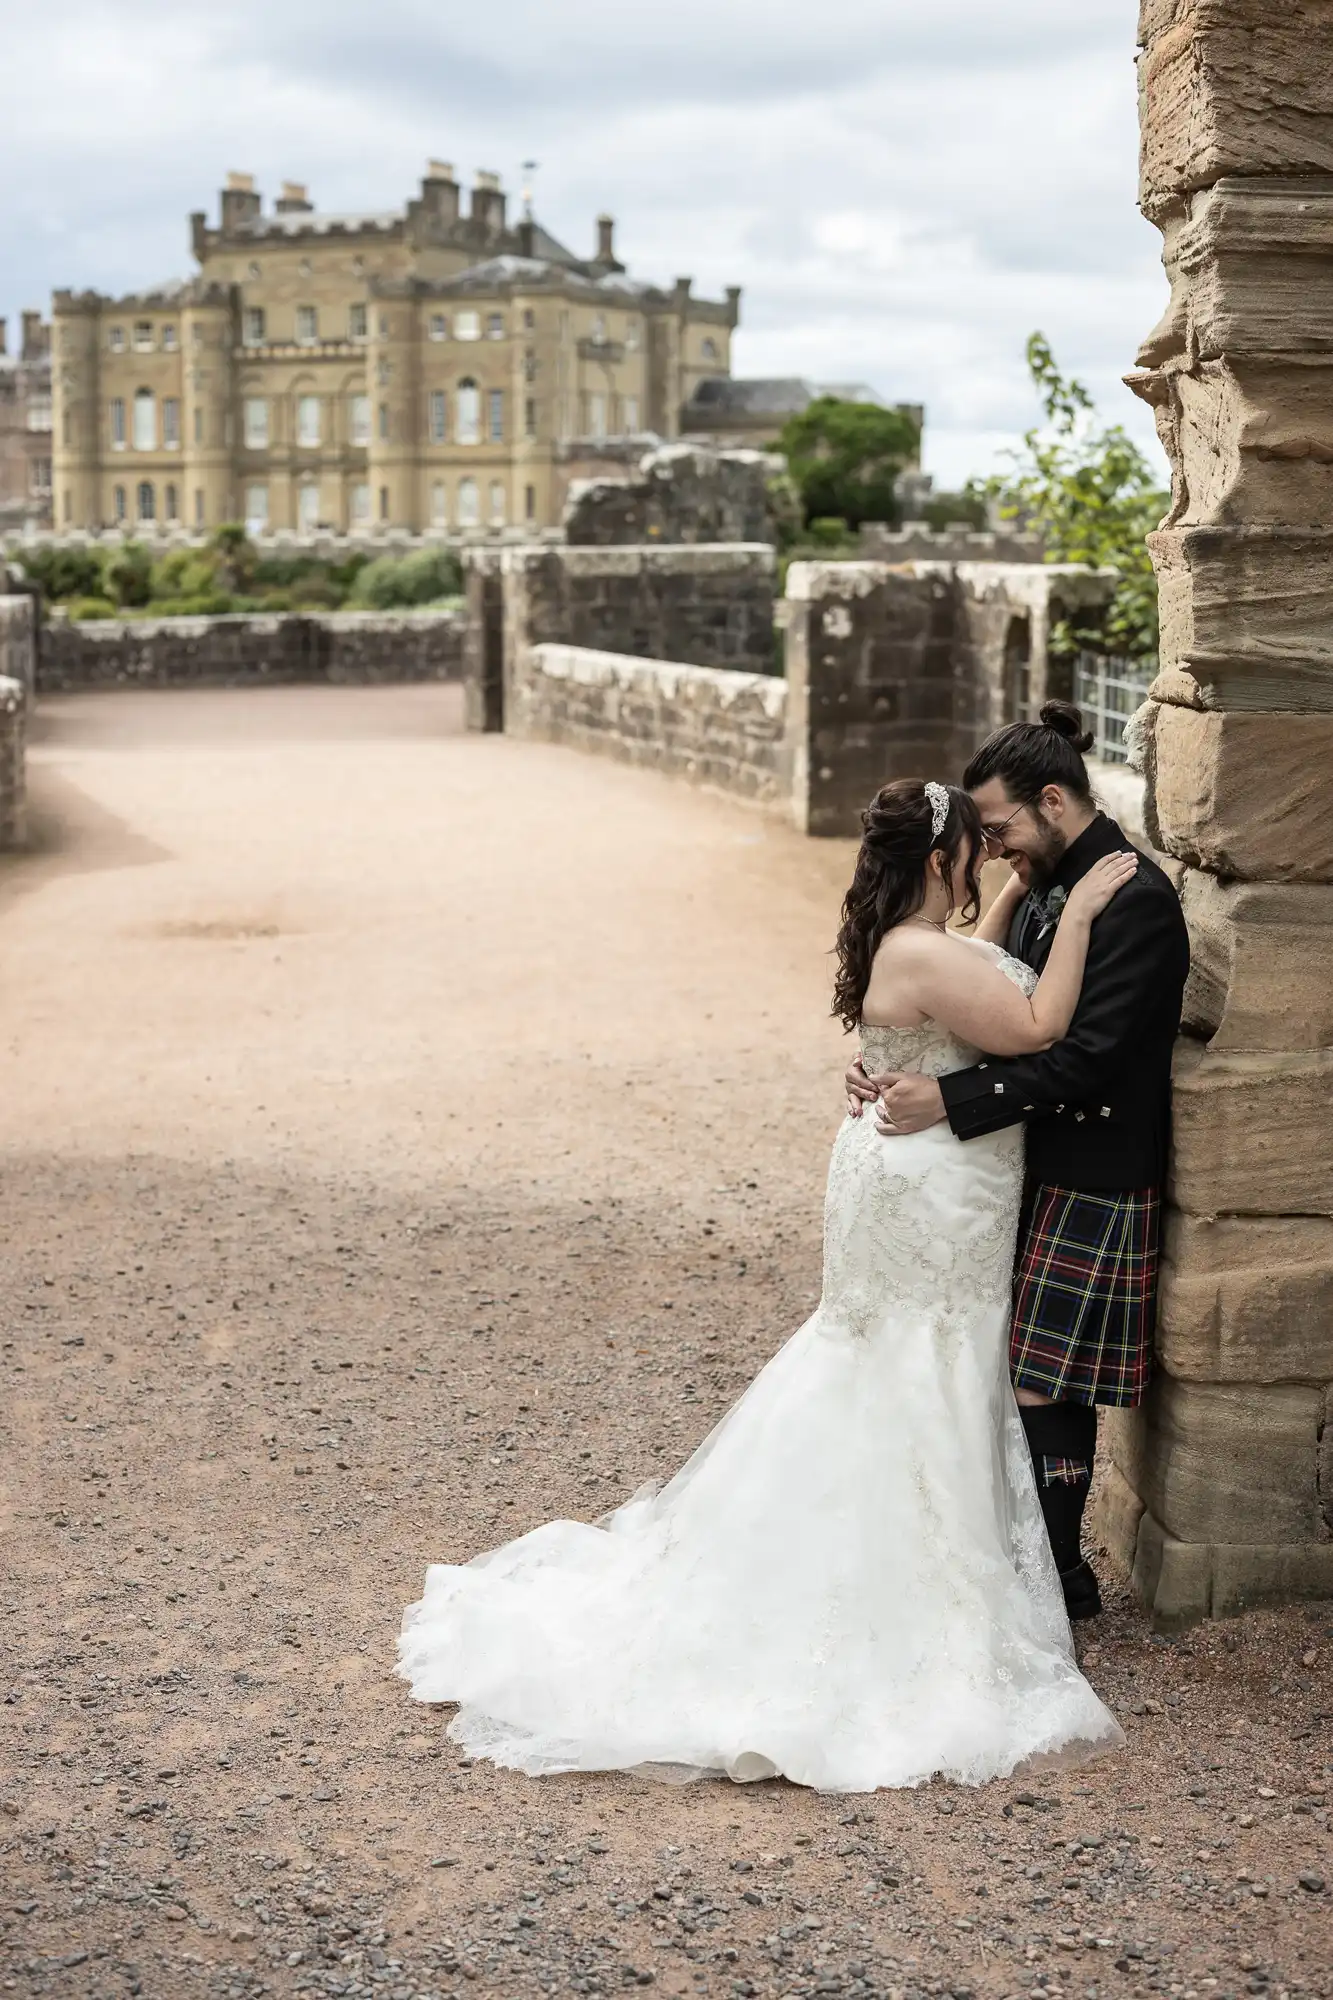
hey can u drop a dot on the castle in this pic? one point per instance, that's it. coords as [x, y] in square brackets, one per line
[418, 368]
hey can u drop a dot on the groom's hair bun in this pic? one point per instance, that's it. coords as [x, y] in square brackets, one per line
[1067, 721]
[1028, 756]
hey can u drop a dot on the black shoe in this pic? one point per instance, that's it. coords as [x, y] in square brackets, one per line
[1082, 1597]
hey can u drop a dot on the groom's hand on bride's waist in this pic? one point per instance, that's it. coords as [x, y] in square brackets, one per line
[907, 1103]
[861, 1089]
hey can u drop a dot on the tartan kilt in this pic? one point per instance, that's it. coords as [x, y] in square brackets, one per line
[1085, 1294]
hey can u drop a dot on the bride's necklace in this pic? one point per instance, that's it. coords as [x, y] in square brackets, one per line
[931, 922]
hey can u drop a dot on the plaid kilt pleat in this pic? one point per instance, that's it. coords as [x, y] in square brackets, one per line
[1085, 1295]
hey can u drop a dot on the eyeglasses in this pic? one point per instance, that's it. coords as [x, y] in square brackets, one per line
[993, 835]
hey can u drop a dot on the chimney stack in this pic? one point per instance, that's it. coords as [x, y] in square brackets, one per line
[606, 239]
[488, 204]
[293, 200]
[733, 306]
[240, 202]
[35, 341]
[440, 191]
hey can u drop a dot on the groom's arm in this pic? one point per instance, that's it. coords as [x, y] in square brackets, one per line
[1136, 942]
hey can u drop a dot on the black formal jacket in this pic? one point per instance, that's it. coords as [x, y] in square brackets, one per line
[1098, 1103]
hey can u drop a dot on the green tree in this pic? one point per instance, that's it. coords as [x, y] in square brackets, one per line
[845, 457]
[1092, 495]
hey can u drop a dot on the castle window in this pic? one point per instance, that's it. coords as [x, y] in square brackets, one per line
[169, 503]
[115, 340]
[439, 327]
[596, 426]
[467, 326]
[709, 350]
[307, 505]
[358, 420]
[307, 421]
[168, 339]
[384, 422]
[67, 507]
[599, 327]
[496, 416]
[307, 325]
[198, 424]
[118, 502]
[143, 336]
[145, 420]
[529, 503]
[497, 503]
[469, 508]
[197, 335]
[39, 413]
[436, 417]
[495, 326]
[384, 503]
[357, 322]
[252, 326]
[117, 423]
[383, 370]
[39, 478]
[468, 420]
[360, 503]
[631, 333]
[439, 505]
[630, 406]
[529, 319]
[530, 417]
[171, 423]
[147, 505]
[256, 508]
[198, 506]
[253, 270]
[256, 423]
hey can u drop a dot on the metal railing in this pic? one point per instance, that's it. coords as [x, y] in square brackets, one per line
[1108, 691]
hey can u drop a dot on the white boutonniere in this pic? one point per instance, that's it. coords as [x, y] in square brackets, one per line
[1054, 909]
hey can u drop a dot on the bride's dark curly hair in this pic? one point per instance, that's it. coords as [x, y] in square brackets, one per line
[890, 880]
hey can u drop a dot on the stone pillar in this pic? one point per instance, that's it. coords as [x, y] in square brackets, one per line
[1222, 1493]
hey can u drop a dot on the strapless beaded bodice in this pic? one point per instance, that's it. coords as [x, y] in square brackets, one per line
[932, 1050]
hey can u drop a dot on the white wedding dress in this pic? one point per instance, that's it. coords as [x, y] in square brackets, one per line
[849, 1583]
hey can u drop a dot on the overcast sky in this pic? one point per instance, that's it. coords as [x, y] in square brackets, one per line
[904, 188]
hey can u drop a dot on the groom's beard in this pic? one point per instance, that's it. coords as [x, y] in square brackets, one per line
[1044, 859]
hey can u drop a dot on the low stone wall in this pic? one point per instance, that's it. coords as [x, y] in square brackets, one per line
[678, 493]
[363, 647]
[915, 542]
[18, 642]
[722, 729]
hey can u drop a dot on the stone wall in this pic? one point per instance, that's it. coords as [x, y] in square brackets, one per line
[677, 494]
[699, 606]
[343, 646]
[900, 670]
[18, 619]
[719, 728]
[1223, 1489]
[915, 542]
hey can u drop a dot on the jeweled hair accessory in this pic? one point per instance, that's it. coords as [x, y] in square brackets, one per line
[940, 803]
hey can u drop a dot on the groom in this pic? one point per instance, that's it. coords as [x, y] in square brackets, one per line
[1097, 1107]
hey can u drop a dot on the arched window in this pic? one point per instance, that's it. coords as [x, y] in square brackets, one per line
[439, 505]
[469, 509]
[146, 502]
[469, 412]
[145, 420]
[169, 503]
[497, 504]
[307, 505]
[710, 350]
[118, 502]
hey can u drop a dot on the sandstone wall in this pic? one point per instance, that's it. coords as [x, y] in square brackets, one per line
[679, 493]
[343, 646]
[18, 639]
[717, 727]
[18, 617]
[1224, 1485]
[914, 542]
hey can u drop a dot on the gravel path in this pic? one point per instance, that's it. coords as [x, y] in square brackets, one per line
[407, 1138]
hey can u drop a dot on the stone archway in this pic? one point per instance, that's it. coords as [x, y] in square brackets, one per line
[1223, 1488]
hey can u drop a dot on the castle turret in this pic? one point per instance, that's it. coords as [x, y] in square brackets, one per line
[207, 338]
[76, 410]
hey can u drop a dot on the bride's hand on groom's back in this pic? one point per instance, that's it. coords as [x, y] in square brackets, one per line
[861, 1089]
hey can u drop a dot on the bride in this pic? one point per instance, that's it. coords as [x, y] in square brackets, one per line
[849, 1583]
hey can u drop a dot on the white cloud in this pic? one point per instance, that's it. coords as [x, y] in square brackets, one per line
[904, 191]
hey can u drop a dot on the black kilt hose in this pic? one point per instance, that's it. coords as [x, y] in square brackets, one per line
[1097, 1107]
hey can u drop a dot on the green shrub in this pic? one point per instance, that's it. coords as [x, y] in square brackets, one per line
[90, 607]
[128, 574]
[204, 604]
[184, 573]
[830, 531]
[61, 573]
[392, 583]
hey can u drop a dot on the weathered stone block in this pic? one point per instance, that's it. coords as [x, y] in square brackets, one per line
[1252, 1133]
[1222, 1462]
[1247, 1299]
[1261, 972]
[1232, 87]
[1244, 795]
[1247, 617]
[1184, 1582]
